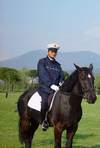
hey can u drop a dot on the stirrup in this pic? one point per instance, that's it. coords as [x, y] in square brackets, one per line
[45, 125]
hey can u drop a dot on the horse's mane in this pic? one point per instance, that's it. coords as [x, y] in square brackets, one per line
[70, 82]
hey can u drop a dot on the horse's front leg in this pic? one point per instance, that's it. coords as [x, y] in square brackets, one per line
[69, 135]
[58, 134]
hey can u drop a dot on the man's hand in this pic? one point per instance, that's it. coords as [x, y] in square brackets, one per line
[54, 87]
[61, 83]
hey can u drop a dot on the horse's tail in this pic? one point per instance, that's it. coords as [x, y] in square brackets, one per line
[20, 111]
[21, 107]
[21, 139]
[24, 121]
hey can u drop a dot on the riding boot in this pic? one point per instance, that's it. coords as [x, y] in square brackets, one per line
[44, 109]
[45, 124]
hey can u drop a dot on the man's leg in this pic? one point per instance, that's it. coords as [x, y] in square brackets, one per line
[44, 110]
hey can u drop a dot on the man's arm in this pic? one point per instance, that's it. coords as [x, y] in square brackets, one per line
[43, 74]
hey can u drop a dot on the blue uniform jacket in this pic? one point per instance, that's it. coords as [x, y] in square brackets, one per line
[49, 72]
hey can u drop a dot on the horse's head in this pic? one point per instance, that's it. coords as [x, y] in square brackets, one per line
[86, 80]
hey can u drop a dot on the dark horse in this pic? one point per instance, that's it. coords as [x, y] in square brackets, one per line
[66, 111]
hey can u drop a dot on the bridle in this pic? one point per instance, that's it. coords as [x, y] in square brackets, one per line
[83, 92]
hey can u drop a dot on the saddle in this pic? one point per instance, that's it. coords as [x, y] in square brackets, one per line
[35, 101]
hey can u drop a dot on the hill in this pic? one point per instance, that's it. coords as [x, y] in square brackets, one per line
[30, 59]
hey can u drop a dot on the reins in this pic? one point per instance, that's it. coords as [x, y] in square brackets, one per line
[71, 93]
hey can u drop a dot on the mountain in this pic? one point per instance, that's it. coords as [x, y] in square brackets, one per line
[30, 59]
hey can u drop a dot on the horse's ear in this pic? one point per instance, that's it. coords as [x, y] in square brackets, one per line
[77, 67]
[91, 67]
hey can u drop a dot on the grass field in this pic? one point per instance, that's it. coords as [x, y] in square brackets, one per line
[87, 136]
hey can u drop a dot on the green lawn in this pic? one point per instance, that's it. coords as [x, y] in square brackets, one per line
[88, 134]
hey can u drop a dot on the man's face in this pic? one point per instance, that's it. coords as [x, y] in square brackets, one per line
[52, 54]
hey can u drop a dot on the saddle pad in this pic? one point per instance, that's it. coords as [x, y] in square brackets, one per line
[35, 101]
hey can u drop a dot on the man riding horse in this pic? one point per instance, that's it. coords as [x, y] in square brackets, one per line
[66, 109]
[50, 77]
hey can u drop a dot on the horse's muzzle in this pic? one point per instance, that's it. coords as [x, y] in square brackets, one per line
[92, 99]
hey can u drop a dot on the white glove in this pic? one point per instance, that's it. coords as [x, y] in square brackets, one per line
[60, 83]
[54, 87]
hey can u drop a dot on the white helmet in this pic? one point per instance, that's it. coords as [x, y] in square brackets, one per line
[53, 45]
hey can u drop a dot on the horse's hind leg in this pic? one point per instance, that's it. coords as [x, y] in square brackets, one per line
[27, 131]
[24, 132]
[33, 127]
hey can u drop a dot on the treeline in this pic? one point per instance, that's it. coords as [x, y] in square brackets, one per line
[97, 83]
[18, 80]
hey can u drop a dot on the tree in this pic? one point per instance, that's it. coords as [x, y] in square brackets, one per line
[66, 74]
[23, 75]
[10, 77]
[97, 81]
[33, 74]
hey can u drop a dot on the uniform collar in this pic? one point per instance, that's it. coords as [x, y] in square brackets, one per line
[51, 59]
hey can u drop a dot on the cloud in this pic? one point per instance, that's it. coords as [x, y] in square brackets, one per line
[93, 32]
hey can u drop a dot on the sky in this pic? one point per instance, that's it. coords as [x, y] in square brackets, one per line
[27, 25]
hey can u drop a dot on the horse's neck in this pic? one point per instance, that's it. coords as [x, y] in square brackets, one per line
[69, 82]
[72, 87]
[77, 90]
